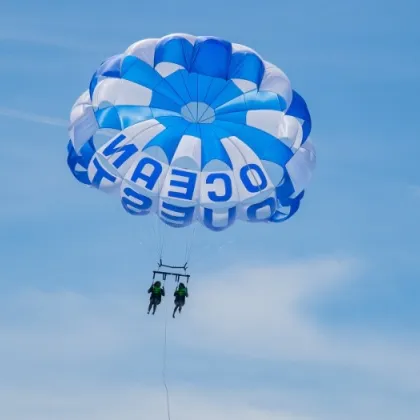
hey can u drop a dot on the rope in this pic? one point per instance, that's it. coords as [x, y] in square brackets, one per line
[189, 246]
[168, 405]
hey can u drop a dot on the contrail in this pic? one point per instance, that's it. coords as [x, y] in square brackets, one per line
[28, 116]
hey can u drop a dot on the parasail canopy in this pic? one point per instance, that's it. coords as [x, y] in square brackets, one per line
[196, 129]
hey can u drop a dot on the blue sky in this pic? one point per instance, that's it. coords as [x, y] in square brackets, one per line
[334, 331]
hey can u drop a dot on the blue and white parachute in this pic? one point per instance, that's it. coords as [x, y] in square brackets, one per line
[197, 129]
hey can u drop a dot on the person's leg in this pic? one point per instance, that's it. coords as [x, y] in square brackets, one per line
[150, 305]
[176, 306]
[181, 304]
[155, 304]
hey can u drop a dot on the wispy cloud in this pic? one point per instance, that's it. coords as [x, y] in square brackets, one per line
[130, 403]
[36, 118]
[243, 315]
[55, 39]
[244, 309]
[414, 190]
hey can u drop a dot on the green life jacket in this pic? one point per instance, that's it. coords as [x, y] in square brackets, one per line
[156, 290]
[182, 292]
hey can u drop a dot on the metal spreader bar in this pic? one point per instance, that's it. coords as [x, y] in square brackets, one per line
[166, 273]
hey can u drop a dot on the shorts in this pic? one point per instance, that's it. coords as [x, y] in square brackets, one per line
[180, 301]
[155, 300]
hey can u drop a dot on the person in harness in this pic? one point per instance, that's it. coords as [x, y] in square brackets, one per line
[180, 294]
[156, 293]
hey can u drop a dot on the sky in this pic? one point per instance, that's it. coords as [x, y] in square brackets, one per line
[314, 319]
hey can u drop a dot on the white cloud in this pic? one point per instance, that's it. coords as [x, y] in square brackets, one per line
[36, 118]
[244, 309]
[60, 327]
[265, 313]
[98, 403]
[58, 347]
